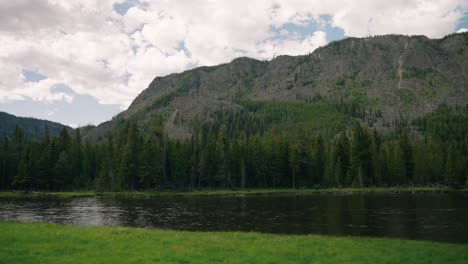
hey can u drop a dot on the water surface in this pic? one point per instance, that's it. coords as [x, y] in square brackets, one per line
[423, 216]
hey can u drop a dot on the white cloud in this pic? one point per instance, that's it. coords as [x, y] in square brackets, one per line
[87, 46]
[292, 46]
[413, 17]
[461, 30]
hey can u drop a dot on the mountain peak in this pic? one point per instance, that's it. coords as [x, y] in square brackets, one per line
[396, 75]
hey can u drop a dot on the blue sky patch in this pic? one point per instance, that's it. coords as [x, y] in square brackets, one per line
[308, 29]
[463, 23]
[33, 76]
[122, 8]
[84, 109]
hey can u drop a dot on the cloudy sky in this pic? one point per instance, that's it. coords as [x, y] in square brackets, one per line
[83, 61]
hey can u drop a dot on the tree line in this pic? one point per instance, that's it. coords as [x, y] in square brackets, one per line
[237, 151]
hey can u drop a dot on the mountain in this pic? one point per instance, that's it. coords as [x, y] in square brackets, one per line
[383, 78]
[381, 111]
[33, 128]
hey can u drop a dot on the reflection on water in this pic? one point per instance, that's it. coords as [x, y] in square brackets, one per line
[429, 216]
[81, 211]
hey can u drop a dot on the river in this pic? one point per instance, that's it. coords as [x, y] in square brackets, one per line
[422, 216]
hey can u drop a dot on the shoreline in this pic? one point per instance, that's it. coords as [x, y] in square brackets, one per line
[224, 192]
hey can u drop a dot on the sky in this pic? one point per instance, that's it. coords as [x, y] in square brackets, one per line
[81, 62]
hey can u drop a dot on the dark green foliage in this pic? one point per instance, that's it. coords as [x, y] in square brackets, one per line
[360, 169]
[407, 157]
[32, 128]
[366, 83]
[340, 160]
[446, 124]
[162, 100]
[106, 179]
[263, 145]
[62, 170]
[341, 47]
[454, 173]
[146, 167]
[129, 162]
[417, 73]
[341, 82]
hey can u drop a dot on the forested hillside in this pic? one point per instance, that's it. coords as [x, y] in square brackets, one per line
[294, 145]
[32, 127]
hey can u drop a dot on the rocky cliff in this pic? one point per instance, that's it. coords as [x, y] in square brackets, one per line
[398, 76]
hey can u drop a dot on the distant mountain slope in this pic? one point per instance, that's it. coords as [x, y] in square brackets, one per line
[33, 128]
[393, 75]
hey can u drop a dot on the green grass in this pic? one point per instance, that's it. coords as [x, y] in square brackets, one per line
[50, 243]
[221, 192]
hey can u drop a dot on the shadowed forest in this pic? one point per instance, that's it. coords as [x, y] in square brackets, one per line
[263, 145]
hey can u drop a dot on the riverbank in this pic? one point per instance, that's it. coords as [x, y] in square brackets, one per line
[51, 243]
[210, 192]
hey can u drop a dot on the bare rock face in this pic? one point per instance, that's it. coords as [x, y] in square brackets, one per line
[397, 75]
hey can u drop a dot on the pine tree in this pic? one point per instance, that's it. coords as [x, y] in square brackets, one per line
[18, 136]
[146, 169]
[407, 156]
[103, 182]
[128, 169]
[360, 159]
[222, 147]
[294, 163]
[107, 180]
[454, 175]
[243, 155]
[64, 140]
[318, 161]
[4, 158]
[341, 159]
[22, 179]
[376, 155]
[80, 180]
[63, 171]
[45, 165]
[17, 143]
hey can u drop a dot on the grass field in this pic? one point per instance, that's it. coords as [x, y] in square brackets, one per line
[50, 243]
[209, 192]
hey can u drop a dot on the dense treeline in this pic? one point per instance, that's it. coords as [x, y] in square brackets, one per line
[266, 147]
[32, 127]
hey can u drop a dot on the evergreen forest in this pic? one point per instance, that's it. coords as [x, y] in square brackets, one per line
[262, 145]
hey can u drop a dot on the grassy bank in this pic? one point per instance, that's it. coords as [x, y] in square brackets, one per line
[49, 243]
[6, 194]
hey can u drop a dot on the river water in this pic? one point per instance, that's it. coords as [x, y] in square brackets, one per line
[421, 216]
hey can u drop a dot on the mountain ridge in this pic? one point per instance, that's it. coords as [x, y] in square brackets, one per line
[395, 75]
[32, 127]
